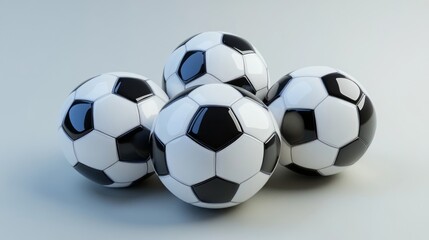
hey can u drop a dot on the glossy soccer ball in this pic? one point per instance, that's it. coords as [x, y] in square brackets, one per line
[215, 146]
[216, 57]
[327, 121]
[105, 127]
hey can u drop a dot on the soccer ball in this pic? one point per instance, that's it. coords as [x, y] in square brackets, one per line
[326, 119]
[216, 57]
[105, 125]
[215, 145]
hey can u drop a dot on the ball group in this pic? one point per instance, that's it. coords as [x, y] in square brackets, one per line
[216, 129]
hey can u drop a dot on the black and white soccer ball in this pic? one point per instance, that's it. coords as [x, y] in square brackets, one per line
[215, 145]
[105, 124]
[216, 57]
[326, 119]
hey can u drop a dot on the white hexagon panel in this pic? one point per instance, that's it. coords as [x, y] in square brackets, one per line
[255, 119]
[224, 63]
[231, 158]
[149, 109]
[126, 172]
[173, 120]
[122, 115]
[304, 92]
[96, 87]
[173, 85]
[256, 70]
[97, 150]
[195, 156]
[179, 189]
[304, 155]
[337, 122]
[246, 189]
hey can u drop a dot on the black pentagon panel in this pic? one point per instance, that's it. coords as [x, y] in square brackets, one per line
[132, 89]
[95, 175]
[277, 89]
[134, 146]
[250, 95]
[214, 127]
[237, 43]
[78, 120]
[193, 66]
[187, 40]
[271, 154]
[367, 120]
[350, 153]
[333, 87]
[303, 170]
[215, 190]
[158, 156]
[299, 126]
[179, 96]
[244, 83]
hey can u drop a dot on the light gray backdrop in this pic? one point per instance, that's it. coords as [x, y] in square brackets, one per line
[48, 47]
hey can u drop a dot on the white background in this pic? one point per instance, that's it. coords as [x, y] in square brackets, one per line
[48, 47]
